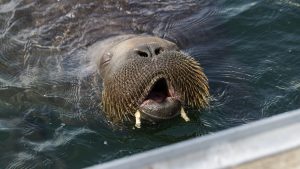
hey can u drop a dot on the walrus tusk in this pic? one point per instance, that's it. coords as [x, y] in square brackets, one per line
[184, 115]
[137, 119]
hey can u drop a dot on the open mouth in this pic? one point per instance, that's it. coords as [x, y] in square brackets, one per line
[160, 102]
[159, 92]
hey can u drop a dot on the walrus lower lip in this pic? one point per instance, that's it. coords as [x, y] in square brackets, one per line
[152, 110]
[160, 103]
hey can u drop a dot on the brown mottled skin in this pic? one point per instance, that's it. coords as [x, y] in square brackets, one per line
[149, 74]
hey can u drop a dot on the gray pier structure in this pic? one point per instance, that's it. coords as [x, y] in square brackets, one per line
[270, 143]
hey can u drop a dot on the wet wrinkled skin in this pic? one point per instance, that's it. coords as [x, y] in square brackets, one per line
[148, 77]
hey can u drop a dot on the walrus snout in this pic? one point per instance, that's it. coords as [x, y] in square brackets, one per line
[146, 77]
[160, 103]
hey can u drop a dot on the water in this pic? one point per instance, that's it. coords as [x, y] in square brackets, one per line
[49, 110]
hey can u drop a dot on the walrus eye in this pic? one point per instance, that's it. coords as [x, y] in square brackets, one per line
[106, 58]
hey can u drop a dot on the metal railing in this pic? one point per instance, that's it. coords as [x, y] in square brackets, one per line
[239, 147]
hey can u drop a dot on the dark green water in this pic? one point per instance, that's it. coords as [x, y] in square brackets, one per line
[49, 113]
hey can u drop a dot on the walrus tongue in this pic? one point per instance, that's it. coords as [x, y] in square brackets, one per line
[156, 96]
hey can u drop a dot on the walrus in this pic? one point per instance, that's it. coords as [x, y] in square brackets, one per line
[147, 78]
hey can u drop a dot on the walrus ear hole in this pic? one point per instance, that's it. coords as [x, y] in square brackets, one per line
[157, 51]
[142, 54]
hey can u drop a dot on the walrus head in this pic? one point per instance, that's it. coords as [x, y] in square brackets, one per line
[149, 78]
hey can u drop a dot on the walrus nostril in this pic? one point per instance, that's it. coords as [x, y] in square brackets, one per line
[142, 54]
[157, 51]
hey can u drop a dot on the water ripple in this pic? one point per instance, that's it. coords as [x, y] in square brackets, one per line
[61, 138]
[10, 6]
